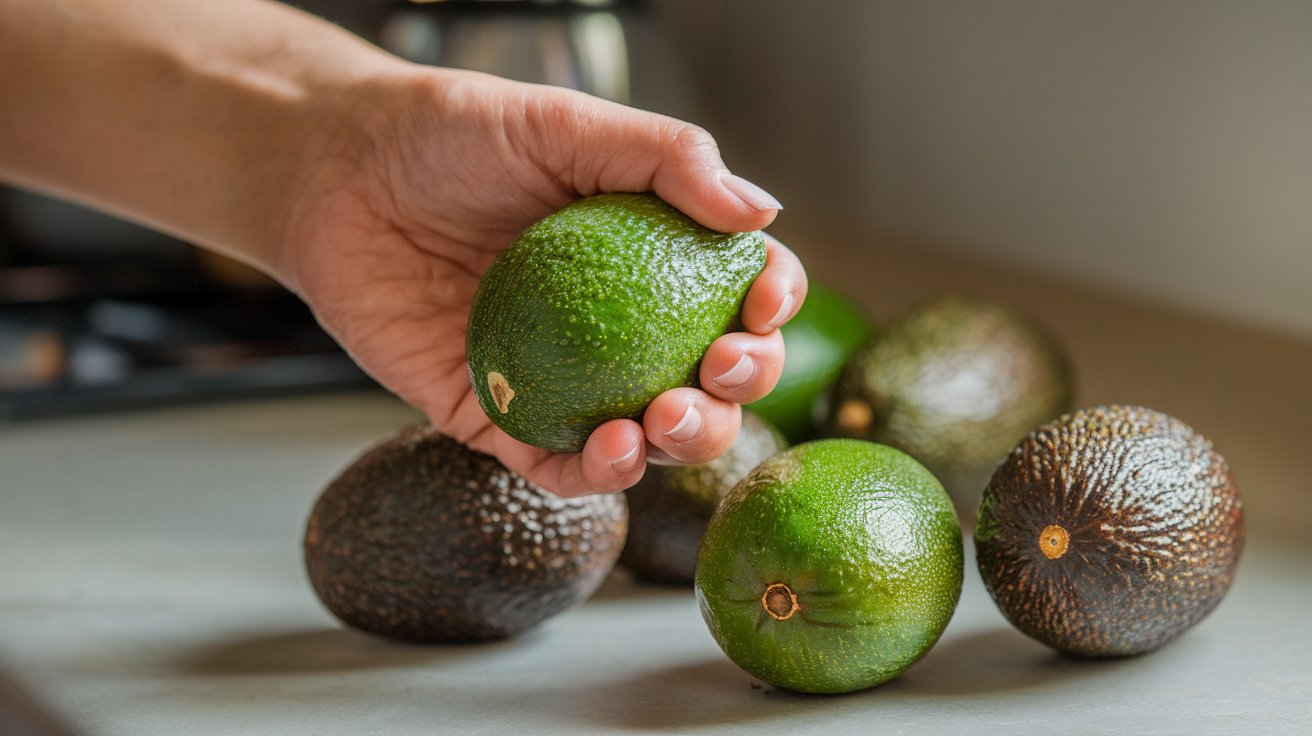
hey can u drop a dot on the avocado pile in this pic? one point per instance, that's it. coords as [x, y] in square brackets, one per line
[827, 567]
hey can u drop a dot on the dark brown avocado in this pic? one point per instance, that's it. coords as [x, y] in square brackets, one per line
[423, 539]
[670, 506]
[1110, 531]
[955, 383]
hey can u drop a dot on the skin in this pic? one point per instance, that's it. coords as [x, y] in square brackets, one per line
[377, 190]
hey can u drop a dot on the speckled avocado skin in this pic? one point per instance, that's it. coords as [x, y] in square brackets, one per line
[597, 309]
[423, 539]
[955, 383]
[669, 507]
[1154, 522]
[864, 537]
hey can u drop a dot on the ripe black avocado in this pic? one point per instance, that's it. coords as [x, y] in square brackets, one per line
[1110, 531]
[423, 539]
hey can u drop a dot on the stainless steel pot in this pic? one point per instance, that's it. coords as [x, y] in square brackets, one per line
[577, 44]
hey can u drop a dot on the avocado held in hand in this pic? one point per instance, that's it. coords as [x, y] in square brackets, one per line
[1110, 531]
[832, 567]
[423, 539]
[669, 507]
[595, 310]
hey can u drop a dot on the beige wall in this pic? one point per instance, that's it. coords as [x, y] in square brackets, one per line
[1164, 148]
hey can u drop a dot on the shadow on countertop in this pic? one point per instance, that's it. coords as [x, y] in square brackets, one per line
[322, 651]
[714, 691]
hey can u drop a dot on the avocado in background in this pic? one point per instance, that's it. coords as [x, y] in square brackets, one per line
[818, 341]
[832, 567]
[669, 507]
[1110, 531]
[423, 539]
[599, 308]
[955, 383]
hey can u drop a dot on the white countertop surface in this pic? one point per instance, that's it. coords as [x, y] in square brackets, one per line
[152, 584]
[151, 579]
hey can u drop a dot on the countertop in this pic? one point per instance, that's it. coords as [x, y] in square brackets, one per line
[152, 582]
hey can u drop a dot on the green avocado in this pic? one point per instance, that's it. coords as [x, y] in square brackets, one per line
[954, 383]
[669, 507]
[818, 340]
[1110, 531]
[597, 309]
[832, 567]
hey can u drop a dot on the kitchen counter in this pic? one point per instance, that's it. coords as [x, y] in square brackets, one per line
[152, 582]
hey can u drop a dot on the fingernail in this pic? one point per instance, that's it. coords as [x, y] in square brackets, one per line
[739, 374]
[785, 309]
[755, 197]
[628, 462]
[688, 426]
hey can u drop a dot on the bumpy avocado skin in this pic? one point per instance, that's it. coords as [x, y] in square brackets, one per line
[423, 539]
[867, 540]
[1155, 529]
[955, 383]
[818, 340]
[597, 309]
[669, 507]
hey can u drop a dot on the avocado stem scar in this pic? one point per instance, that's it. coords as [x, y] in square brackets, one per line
[502, 393]
[1054, 541]
[854, 417]
[779, 601]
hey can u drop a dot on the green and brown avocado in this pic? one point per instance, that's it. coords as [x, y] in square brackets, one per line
[1110, 531]
[954, 383]
[669, 507]
[597, 309]
[423, 539]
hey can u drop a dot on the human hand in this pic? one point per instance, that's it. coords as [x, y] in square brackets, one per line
[379, 190]
[412, 200]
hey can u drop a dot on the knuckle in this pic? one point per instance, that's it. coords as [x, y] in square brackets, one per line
[693, 140]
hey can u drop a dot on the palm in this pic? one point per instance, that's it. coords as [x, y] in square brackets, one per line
[395, 287]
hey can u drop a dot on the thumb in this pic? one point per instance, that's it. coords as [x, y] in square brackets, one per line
[614, 148]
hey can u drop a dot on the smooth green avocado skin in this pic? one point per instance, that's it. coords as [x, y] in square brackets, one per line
[594, 311]
[864, 536]
[818, 340]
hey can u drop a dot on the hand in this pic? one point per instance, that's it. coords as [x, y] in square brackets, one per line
[379, 190]
[434, 172]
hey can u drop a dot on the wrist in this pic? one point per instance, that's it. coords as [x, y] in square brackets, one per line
[332, 158]
[287, 107]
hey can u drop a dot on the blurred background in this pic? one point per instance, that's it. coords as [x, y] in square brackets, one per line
[1156, 151]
